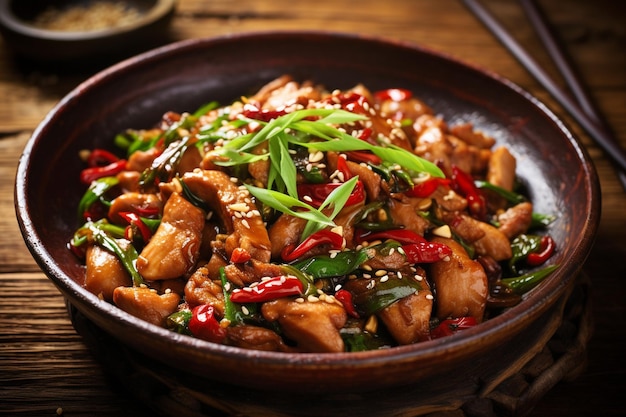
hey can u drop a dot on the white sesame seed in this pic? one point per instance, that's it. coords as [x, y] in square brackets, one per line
[429, 296]
[384, 278]
[245, 223]
[337, 287]
[245, 310]
[380, 273]
[312, 299]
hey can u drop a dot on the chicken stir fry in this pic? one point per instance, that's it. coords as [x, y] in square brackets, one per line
[304, 220]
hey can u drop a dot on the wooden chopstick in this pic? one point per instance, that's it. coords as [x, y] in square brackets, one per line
[576, 86]
[602, 138]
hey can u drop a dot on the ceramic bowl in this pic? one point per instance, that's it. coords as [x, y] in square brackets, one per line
[410, 380]
[27, 39]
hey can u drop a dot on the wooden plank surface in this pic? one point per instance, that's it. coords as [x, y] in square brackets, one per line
[44, 364]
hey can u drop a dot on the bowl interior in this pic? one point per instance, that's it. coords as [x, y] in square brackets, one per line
[183, 76]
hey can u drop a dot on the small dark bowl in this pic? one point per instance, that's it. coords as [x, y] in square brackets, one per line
[408, 380]
[73, 46]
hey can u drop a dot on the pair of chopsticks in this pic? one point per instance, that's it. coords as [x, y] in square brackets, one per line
[581, 108]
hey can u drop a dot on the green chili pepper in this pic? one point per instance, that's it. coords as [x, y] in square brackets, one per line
[194, 199]
[230, 310]
[510, 196]
[164, 166]
[361, 220]
[521, 246]
[384, 293]
[327, 266]
[179, 321]
[541, 220]
[307, 280]
[95, 192]
[526, 282]
[356, 340]
[127, 255]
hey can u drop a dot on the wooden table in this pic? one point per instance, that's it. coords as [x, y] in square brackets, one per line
[45, 367]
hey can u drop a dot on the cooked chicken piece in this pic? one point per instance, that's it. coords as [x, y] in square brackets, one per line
[190, 160]
[447, 199]
[494, 243]
[433, 144]
[427, 121]
[201, 289]
[405, 215]
[313, 326]
[129, 181]
[436, 145]
[408, 319]
[142, 160]
[134, 202]
[254, 337]
[516, 220]
[174, 248]
[389, 260]
[502, 167]
[285, 231]
[252, 271]
[260, 169]
[468, 157]
[240, 216]
[104, 272]
[466, 132]
[145, 303]
[460, 284]
[284, 93]
[465, 226]
[411, 108]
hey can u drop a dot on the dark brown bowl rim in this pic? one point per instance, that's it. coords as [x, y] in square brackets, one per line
[530, 308]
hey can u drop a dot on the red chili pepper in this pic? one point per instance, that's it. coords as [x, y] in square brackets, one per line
[426, 252]
[394, 94]
[364, 156]
[463, 184]
[342, 166]
[345, 298]
[351, 101]
[204, 325]
[88, 175]
[426, 188]
[270, 289]
[100, 157]
[547, 245]
[366, 134]
[450, 326]
[321, 237]
[240, 256]
[252, 112]
[403, 236]
[317, 193]
[147, 211]
[135, 223]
